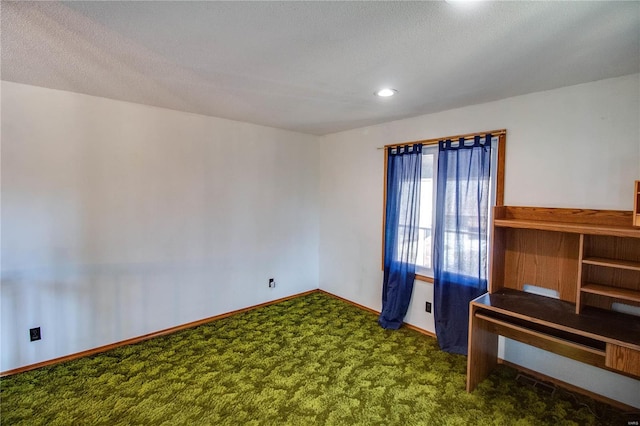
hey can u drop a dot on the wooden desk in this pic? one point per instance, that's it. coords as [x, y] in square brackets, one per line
[599, 337]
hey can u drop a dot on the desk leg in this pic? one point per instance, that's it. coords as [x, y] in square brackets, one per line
[483, 350]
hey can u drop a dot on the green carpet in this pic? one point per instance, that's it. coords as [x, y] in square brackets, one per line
[312, 360]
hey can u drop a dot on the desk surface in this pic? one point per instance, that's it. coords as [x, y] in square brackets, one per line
[599, 324]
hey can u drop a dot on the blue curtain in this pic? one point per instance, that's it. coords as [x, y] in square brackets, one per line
[402, 211]
[460, 237]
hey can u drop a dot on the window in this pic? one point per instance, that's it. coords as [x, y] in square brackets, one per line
[424, 261]
[428, 192]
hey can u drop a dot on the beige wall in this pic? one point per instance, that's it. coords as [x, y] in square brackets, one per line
[120, 219]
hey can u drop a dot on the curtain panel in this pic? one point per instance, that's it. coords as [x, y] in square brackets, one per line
[460, 237]
[402, 211]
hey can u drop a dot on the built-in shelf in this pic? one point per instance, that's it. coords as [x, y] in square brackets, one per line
[617, 292]
[612, 263]
[591, 258]
[575, 228]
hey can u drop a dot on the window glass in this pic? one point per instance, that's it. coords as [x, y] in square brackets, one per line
[424, 260]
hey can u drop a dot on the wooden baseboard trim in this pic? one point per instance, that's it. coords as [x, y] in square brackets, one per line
[138, 339]
[421, 330]
[357, 305]
[569, 387]
[373, 311]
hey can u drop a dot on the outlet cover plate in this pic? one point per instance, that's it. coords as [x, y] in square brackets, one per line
[34, 334]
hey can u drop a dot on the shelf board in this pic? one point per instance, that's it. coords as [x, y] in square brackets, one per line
[576, 228]
[605, 290]
[612, 263]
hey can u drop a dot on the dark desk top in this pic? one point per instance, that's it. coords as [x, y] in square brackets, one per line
[599, 324]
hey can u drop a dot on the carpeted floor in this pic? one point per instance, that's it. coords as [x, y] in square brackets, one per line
[313, 360]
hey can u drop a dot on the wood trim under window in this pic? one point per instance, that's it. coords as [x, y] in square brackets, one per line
[502, 141]
[424, 278]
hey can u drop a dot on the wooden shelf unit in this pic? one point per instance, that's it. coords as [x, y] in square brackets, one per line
[610, 271]
[569, 251]
[590, 257]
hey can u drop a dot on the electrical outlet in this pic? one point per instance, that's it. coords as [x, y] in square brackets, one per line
[34, 334]
[427, 307]
[272, 283]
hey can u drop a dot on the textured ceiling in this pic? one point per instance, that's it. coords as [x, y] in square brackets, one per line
[313, 66]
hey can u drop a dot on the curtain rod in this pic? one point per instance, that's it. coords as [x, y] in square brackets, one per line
[457, 137]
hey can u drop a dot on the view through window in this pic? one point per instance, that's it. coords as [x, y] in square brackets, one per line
[427, 202]
[428, 195]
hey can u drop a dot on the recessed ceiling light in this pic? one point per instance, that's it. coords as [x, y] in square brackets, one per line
[463, 3]
[386, 92]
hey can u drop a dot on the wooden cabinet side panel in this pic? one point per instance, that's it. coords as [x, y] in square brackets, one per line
[636, 204]
[496, 263]
[482, 354]
[544, 259]
[579, 281]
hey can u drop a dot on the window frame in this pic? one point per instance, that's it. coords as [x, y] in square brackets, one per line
[499, 183]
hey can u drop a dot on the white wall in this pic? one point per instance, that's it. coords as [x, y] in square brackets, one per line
[121, 219]
[577, 146]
